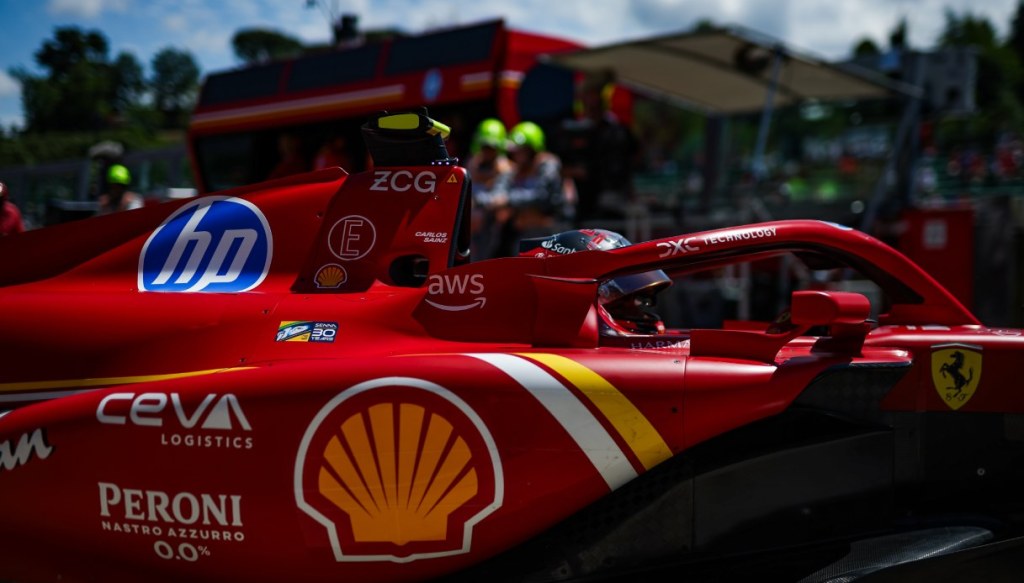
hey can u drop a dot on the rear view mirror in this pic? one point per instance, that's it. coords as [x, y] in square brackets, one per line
[845, 314]
[829, 308]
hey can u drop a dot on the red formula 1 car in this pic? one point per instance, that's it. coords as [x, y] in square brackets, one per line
[307, 380]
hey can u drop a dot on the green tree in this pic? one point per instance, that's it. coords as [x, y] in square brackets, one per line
[70, 48]
[1015, 40]
[258, 45]
[866, 47]
[38, 99]
[898, 36]
[705, 25]
[129, 82]
[967, 30]
[74, 92]
[174, 83]
[999, 69]
[80, 89]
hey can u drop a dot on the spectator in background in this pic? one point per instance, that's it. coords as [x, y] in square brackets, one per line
[333, 153]
[536, 196]
[10, 216]
[599, 152]
[490, 170]
[290, 161]
[118, 197]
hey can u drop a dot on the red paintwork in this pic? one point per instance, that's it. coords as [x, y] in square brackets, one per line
[506, 350]
[941, 240]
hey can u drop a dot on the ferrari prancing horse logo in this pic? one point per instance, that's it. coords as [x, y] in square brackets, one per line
[956, 372]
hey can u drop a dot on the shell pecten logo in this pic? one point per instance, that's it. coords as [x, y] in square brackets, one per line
[398, 469]
[330, 276]
[397, 483]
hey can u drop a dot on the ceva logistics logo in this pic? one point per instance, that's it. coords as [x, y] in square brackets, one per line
[214, 244]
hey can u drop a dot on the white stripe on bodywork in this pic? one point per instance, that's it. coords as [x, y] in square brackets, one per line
[595, 442]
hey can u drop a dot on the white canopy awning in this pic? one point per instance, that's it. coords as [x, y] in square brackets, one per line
[729, 71]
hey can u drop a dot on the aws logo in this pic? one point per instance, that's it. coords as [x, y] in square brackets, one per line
[398, 469]
[456, 285]
[214, 244]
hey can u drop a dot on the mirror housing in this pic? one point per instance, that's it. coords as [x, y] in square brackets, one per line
[828, 308]
[844, 313]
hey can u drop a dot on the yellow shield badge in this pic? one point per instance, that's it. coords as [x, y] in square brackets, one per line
[956, 372]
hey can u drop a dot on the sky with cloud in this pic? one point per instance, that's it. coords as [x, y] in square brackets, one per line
[826, 28]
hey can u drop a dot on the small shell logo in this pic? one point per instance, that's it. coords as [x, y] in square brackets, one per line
[398, 469]
[330, 276]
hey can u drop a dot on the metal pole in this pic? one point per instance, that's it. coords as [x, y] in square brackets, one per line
[908, 123]
[766, 115]
[760, 172]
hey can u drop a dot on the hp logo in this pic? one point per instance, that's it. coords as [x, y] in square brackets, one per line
[214, 244]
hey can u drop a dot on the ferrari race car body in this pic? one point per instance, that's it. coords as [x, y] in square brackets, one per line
[306, 380]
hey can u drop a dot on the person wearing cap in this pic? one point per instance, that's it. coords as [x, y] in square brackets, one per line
[334, 152]
[536, 195]
[488, 165]
[10, 216]
[291, 156]
[118, 197]
[490, 171]
[599, 153]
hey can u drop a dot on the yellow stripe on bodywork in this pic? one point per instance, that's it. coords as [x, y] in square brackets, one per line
[635, 429]
[107, 381]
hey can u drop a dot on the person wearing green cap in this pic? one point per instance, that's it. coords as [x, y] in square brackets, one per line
[488, 165]
[490, 170]
[537, 196]
[118, 197]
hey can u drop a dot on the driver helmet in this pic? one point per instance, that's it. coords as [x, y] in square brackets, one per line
[629, 300]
